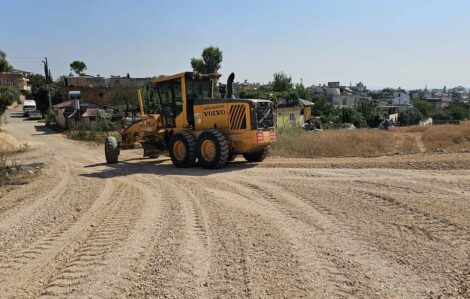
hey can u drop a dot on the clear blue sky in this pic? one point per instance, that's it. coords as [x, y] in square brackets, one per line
[406, 43]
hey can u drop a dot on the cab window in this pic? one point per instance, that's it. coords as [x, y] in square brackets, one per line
[169, 96]
[198, 88]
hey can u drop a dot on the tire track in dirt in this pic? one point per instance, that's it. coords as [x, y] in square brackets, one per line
[198, 243]
[338, 273]
[175, 263]
[440, 202]
[122, 264]
[28, 269]
[89, 256]
[431, 226]
[438, 260]
[19, 224]
[23, 209]
[251, 257]
[343, 255]
[29, 192]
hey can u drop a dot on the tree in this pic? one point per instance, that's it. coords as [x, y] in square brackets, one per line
[423, 106]
[122, 97]
[323, 108]
[4, 65]
[78, 67]
[8, 95]
[441, 115]
[387, 91]
[282, 82]
[458, 111]
[302, 92]
[348, 114]
[40, 94]
[409, 117]
[370, 111]
[210, 61]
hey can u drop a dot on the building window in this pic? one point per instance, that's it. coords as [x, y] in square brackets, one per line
[292, 117]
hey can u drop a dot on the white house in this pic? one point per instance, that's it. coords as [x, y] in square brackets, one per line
[401, 97]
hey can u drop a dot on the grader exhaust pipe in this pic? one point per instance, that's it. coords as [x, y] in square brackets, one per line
[230, 79]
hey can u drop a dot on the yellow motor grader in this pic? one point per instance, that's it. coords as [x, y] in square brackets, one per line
[193, 125]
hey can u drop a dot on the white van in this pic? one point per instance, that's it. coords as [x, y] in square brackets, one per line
[29, 105]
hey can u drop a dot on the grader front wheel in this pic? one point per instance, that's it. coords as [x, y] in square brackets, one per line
[182, 147]
[111, 150]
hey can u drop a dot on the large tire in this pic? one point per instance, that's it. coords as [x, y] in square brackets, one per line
[258, 156]
[111, 150]
[182, 148]
[212, 149]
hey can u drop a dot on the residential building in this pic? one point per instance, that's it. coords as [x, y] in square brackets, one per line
[341, 95]
[98, 81]
[439, 102]
[360, 88]
[400, 97]
[288, 115]
[125, 81]
[245, 85]
[348, 99]
[83, 81]
[16, 79]
[65, 117]
[104, 91]
[313, 90]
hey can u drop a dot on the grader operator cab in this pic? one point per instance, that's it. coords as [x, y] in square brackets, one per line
[189, 123]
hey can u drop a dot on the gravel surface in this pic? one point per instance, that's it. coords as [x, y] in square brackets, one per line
[396, 226]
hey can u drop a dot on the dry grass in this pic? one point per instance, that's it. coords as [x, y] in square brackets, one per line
[412, 129]
[447, 137]
[370, 142]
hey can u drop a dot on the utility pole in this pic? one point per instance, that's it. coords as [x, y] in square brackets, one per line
[47, 73]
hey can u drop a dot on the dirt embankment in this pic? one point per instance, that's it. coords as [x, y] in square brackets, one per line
[284, 228]
[9, 144]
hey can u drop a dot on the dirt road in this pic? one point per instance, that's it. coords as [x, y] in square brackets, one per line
[383, 227]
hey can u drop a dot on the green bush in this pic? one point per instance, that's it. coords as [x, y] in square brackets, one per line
[104, 124]
[458, 111]
[424, 107]
[50, 118]
[350, 115]
[409, 117]
[370, 111]
[8, 95]
[442, 115]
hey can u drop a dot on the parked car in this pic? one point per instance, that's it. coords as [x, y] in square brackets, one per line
[29, 105]
[35, 114]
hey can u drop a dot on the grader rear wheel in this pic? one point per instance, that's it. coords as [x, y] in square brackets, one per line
[212, 149]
